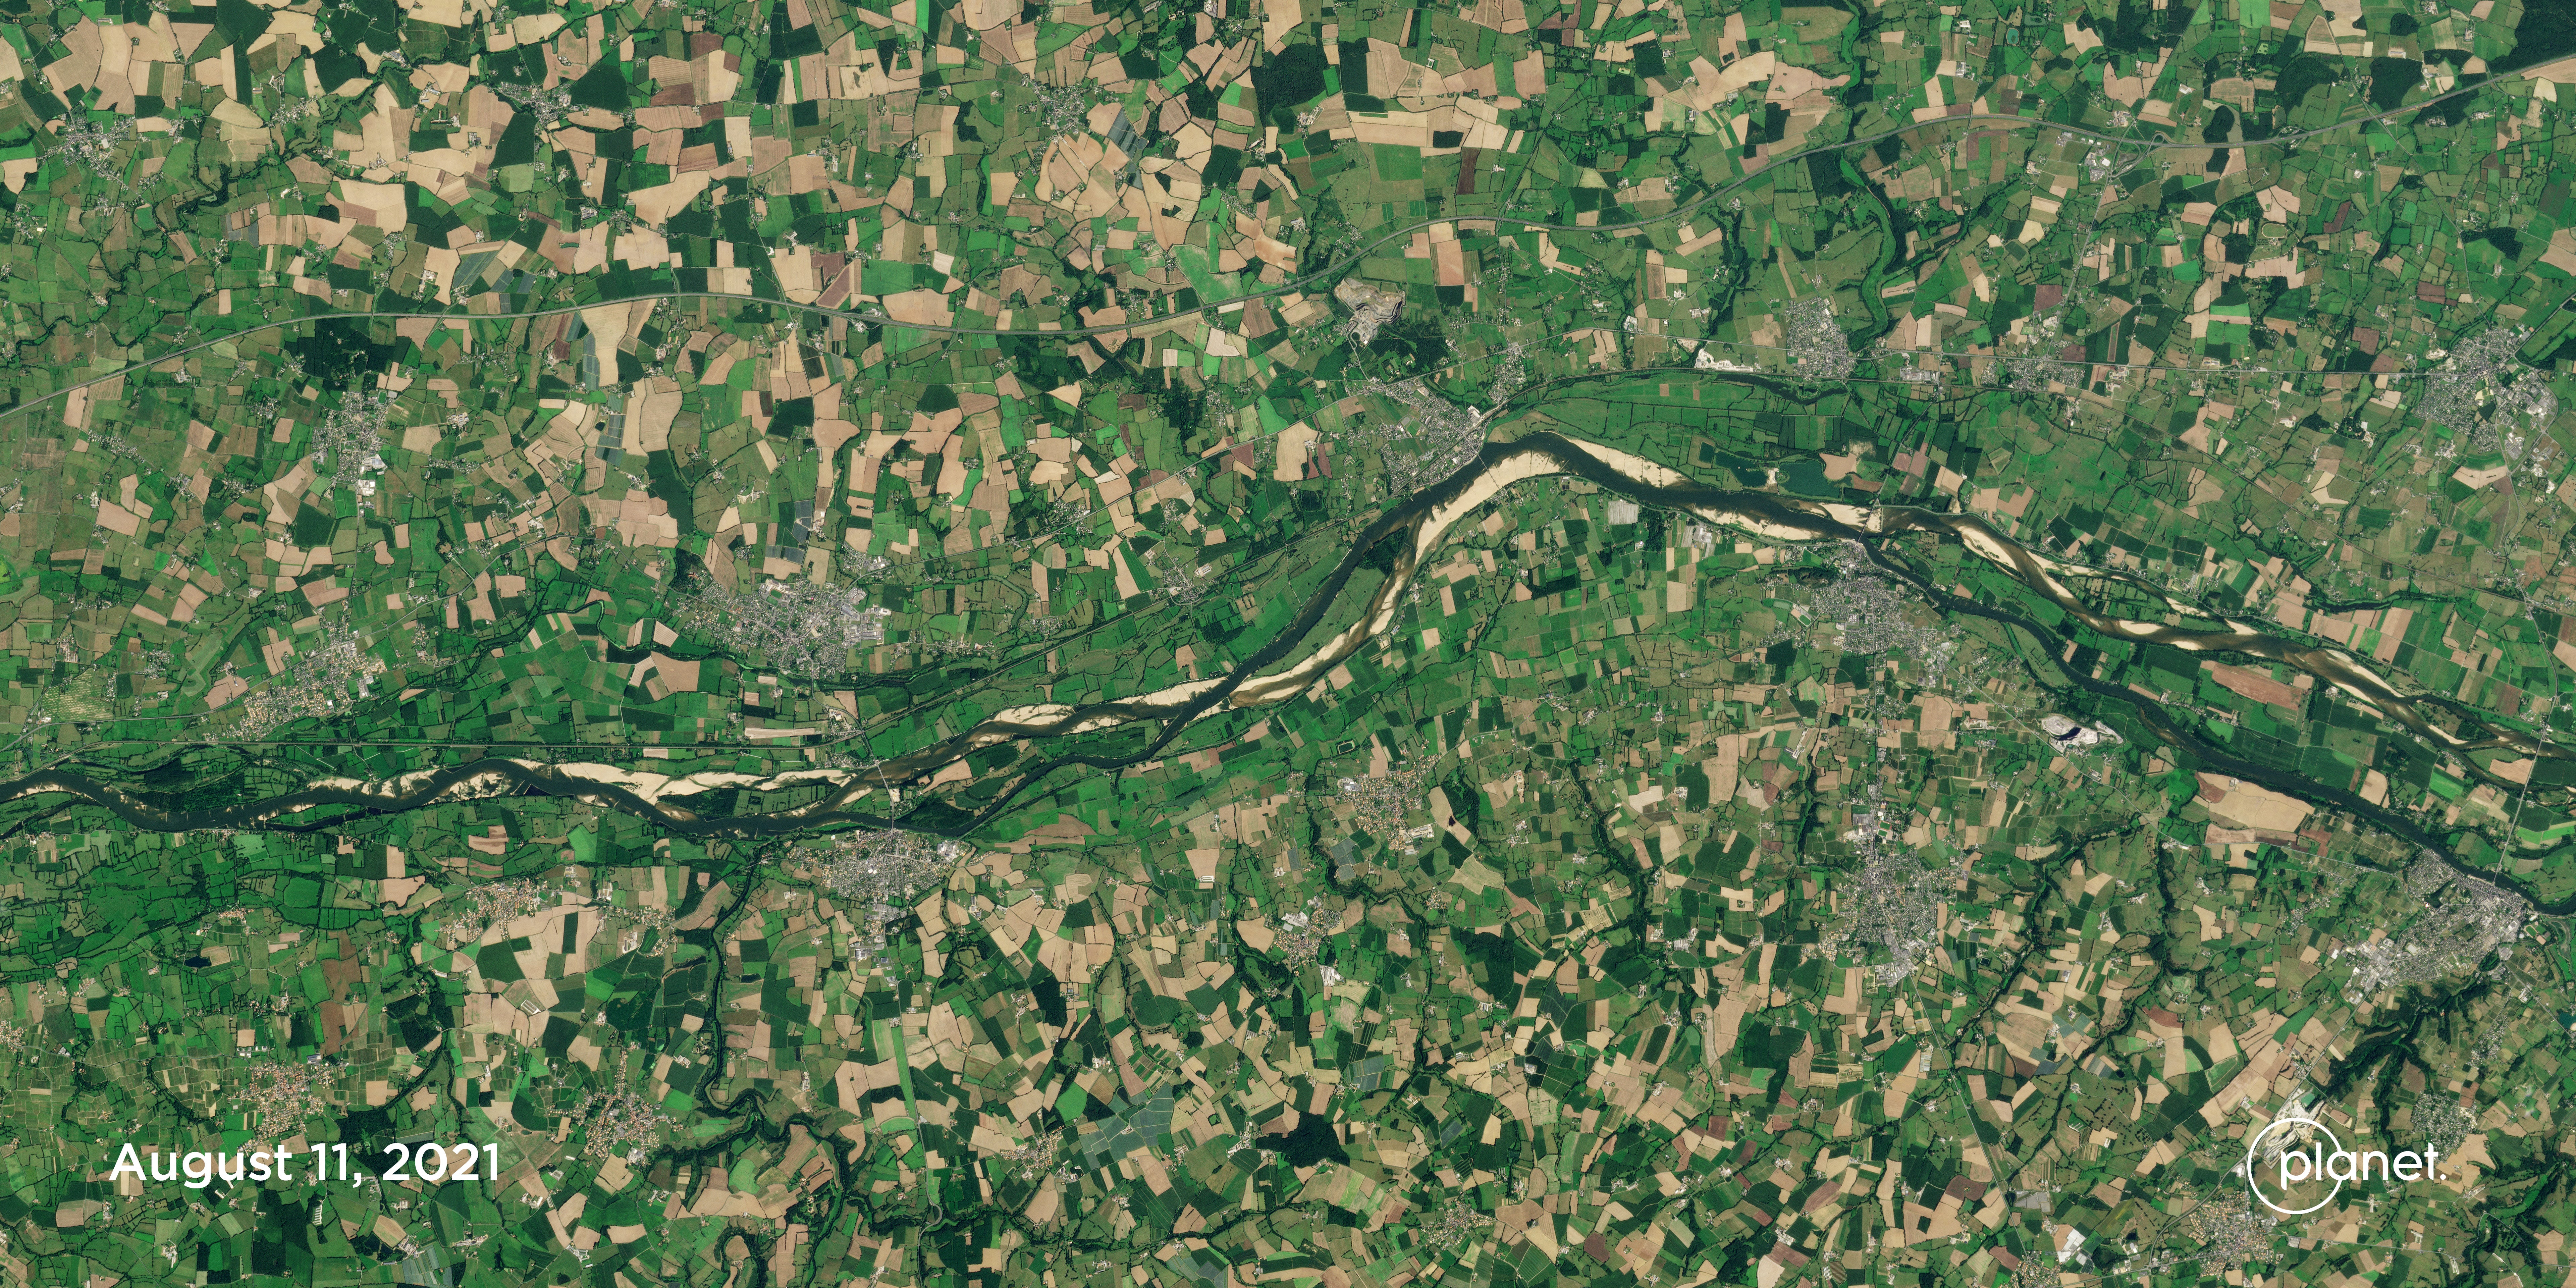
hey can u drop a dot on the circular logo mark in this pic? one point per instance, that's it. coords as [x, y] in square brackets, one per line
[2256, 1188]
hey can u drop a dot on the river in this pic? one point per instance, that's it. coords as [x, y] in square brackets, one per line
[1421, 524]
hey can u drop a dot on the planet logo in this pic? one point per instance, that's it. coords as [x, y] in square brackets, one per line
[2297, 1181]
